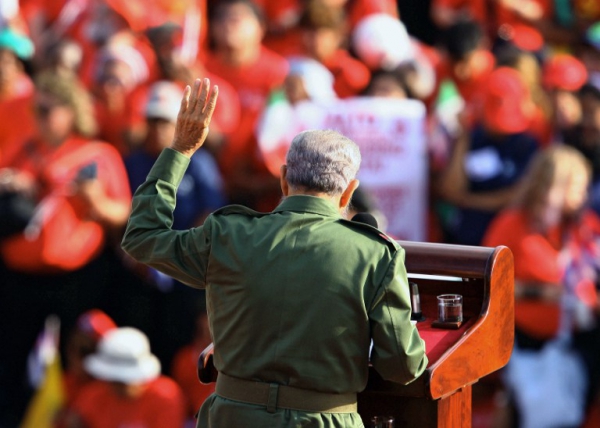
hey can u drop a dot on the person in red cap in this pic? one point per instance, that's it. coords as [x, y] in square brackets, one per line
[563, 77]
[529, 68]
[91, 326]
[488, 163]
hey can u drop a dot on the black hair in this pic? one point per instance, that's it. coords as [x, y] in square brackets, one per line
[591, 90]
[461, 39]
[219, 7]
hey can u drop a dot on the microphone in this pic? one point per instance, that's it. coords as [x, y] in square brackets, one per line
[415, 302]
[366, 218]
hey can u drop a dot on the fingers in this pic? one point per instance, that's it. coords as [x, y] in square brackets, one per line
[204, 88]
[212, 103]
[185, 101]
[197, 100]
[194, 95]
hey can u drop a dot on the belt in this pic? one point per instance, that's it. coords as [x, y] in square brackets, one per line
[274, 396]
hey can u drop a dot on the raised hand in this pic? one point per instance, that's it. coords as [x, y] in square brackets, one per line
[195, 113]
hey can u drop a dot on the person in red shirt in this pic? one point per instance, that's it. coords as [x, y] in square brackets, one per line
[555, 242]
[282, 17]
[78, 185]
[254, 71]
[323, 34]
[563, 76]
[119, 70]
[168, 44]
[467, 63]
[89, 329]
[529, 68]
[16, 90]
[82, 341]
[131, 392]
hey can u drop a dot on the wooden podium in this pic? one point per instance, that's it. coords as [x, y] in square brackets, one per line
[441, 397]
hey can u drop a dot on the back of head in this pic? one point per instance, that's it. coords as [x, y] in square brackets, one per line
[324, 161]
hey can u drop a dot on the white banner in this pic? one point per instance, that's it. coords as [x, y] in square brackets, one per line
[391, 137]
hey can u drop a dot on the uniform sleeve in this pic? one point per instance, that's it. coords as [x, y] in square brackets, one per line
[149, 238]
[398, 351]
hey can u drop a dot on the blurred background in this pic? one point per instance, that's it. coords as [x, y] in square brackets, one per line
[479, 124]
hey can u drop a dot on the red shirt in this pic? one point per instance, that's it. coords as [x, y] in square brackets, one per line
[16, 131]
[67, 238]
[161, 405]
[253, 83]
[350, 75]
[471, 88]
[536, 259]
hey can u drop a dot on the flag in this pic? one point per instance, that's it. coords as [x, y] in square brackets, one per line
[45, 375]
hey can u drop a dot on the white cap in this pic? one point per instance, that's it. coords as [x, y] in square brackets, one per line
[164, 101]
[381, 41]
[318, 80]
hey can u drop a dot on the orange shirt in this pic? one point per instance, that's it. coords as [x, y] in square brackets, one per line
[161, 405]
[184, 372]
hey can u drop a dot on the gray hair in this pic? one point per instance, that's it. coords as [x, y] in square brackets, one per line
[323, 161]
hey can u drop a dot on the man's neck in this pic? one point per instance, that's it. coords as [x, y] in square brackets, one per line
[335, 200]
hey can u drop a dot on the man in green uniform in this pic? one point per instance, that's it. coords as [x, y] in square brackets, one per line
[296, 296]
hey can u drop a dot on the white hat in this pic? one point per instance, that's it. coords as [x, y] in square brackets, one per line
[128, 55]
[164, 101]
[123, 355]
[318, 80]
[381, 41]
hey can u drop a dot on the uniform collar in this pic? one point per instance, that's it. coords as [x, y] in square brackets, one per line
[308, 204]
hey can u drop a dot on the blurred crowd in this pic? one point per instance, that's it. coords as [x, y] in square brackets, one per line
[89, 95]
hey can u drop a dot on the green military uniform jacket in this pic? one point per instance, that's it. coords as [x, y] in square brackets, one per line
[294, 296]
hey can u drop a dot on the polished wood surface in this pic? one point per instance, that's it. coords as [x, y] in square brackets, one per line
[441, 397]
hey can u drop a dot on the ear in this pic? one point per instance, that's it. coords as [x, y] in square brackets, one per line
[347, 194]
[285, 187]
